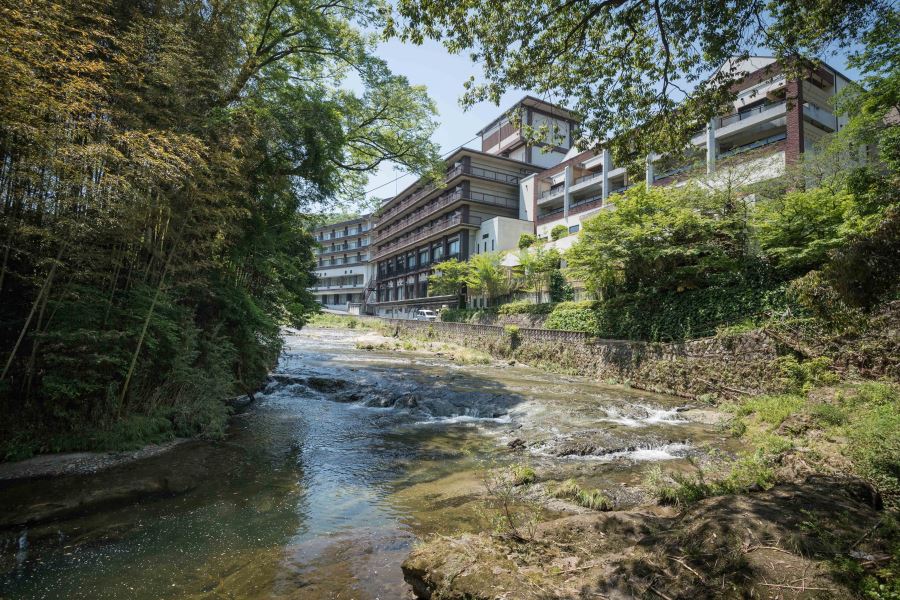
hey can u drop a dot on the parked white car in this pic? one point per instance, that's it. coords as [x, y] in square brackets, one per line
[424, 314]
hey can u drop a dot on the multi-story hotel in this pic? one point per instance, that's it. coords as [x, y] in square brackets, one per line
[773, 121]
[489, 197]
[475, 209]
[343, 269]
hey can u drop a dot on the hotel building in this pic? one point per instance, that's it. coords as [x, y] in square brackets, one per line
[476, 208]
[343, 269]
[774, 119]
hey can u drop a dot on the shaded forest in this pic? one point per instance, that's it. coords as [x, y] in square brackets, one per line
[158, 164]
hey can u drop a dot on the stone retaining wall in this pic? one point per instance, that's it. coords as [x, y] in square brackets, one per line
[721, 366]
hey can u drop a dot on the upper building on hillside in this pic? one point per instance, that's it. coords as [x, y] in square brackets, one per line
[343, 269]
[505, 137]
[774, 119]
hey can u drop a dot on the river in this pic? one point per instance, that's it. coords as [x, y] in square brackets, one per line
[324, 485]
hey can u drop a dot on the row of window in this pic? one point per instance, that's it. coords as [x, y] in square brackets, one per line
[403, 292]
[337, 261]
[420, 258]
[338, 234]
[351, 280]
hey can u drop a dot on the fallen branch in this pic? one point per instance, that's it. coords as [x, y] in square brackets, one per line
[749, 549]
[801, 588]
[685, 565]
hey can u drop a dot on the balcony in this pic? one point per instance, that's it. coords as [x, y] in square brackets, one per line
[595, 201]
[821, 117]
[588, 177]
[342, 248]
[772, 139]
[336, 286]
[440, 203]
[438, 227]
[551, 215]
[456, 171]
[349, 263]
[746, 114]
[341, 235]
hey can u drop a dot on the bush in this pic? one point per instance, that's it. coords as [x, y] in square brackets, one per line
[523, 307]
[527, 240]
[523, 475]
[815, 294]
[660, 316]
[875, 447]
[559, 232]
[803, 376]
[751, 471]
[828, 415]
[577, 319]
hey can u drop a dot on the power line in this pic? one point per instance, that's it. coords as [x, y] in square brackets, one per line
[399, 177]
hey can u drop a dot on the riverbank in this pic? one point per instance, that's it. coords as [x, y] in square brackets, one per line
[80, 463]
[817, 441]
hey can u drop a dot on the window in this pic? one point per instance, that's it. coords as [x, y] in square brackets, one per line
[454, 247]
[484, 236]
[492, 245]
[423, 257]
[574, 228]
[411, 260]
[437, 252]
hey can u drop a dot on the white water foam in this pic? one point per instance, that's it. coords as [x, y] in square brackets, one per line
[645, 454]
[464, 419]
[653, 416]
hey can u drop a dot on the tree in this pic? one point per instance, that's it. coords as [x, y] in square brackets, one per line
[537, 265]
[798, 230]
[659, 239]
[448, 278]
[624, 64]
[158, 164]
[487, 277]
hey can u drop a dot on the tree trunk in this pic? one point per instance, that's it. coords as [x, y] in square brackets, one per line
[45, 289]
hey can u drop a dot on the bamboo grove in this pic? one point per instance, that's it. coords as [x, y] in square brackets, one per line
[159, 161]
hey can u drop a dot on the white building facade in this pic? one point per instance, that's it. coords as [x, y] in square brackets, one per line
[344, 271]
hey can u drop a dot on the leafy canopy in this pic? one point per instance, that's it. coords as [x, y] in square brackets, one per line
[623, 64]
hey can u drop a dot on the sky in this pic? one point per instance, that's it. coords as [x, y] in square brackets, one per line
[444, 74]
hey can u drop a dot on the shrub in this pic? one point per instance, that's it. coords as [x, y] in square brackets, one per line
[527, 240]
[559, 232]
[751, 471]
[523, 307]
[875, 447]
[573, 319]
[804, 376]
[828, 415]
[580, 305]
[523, 475]
[816, 295]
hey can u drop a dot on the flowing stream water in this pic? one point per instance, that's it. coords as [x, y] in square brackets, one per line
[323, 486]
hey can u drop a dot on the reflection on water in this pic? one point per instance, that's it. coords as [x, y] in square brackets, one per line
[323, 486]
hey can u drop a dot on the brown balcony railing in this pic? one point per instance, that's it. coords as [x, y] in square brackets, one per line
[455, 171]
[441, 225]
[441, 202]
